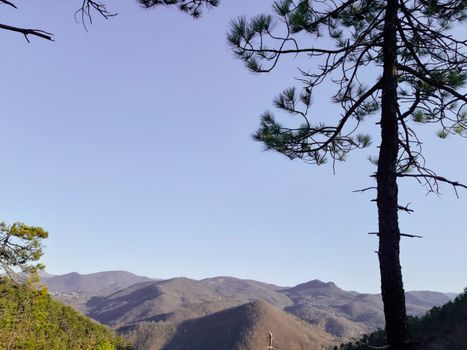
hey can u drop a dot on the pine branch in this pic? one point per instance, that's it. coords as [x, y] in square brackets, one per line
[26, 32]
[436, 178]
[85, 11]
[6, 2]
[193, 7]
[432, 82]
[349, 113]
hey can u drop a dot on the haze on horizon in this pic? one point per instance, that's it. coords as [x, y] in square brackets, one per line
[131, 145]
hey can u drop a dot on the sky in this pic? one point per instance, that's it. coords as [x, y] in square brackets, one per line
[131, 144]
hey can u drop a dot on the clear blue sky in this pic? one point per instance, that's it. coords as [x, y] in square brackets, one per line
[131, 145]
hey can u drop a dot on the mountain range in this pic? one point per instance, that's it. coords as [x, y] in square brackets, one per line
[163, 314]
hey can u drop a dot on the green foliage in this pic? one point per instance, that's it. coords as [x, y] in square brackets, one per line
[282, 8]
[31, 320]
[431, 69]
[260, 44]
[442, 134]
[441, 328]
[192, 7]
[419, 116]
[20, 248]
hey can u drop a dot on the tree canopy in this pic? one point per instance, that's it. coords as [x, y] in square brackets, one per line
[20, 248]
[430, 69]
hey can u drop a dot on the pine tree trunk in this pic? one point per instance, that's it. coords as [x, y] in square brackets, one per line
[392, 288]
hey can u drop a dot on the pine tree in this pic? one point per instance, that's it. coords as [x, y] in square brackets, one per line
[421, 69]
[396, 58]
[20, 249]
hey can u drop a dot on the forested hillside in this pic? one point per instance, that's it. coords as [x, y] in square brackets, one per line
[441, 328]
[31, 320]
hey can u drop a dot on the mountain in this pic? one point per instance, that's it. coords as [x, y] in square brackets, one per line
[244, 327]
[31, 319]
[418, 302]
[343, 314]
[75, 289]
[152, 310]
[180, 299]
[346, 314]
[99, 283]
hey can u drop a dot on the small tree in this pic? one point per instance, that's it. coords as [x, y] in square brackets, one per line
[20, 248]
[398, 58]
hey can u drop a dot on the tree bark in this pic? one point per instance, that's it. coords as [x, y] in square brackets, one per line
[392, 288]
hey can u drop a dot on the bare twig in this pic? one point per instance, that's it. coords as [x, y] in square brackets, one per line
[405, 208]
[366, 189]
[6, 2]
[435, 178]
[85, 11]
[26, 32]
[400, 234]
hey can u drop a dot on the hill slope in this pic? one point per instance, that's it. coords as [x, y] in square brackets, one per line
[179, 299]
[341, 313]
[153, 309]
[243, 327]
[441, 328]
[32, 320]
[347, 314]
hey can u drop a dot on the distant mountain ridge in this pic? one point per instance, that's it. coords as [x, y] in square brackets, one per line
[157, 308]
[75, 289]
[180, 299]
[99, 283]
